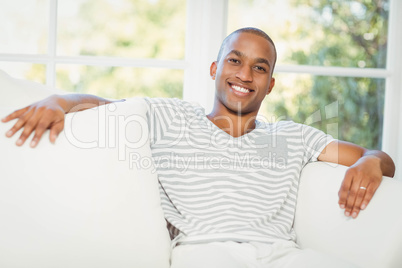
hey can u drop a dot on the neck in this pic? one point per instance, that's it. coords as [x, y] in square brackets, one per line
[234, 124]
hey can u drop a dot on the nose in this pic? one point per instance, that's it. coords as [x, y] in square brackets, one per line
[245, 74]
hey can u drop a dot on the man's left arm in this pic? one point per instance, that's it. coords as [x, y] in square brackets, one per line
[366, 168]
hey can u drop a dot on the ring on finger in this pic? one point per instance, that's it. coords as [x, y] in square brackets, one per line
[363, 188]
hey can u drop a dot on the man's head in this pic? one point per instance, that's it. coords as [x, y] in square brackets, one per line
[243, 71]
[251, 30]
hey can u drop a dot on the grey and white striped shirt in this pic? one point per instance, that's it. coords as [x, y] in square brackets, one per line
[215, 187]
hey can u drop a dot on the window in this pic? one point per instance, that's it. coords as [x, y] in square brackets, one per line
[116, 49]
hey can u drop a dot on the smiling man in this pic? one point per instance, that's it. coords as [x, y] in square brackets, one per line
[234, 203]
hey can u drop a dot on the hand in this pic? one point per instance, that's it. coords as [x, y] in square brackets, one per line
[37, 117]
[359, 185]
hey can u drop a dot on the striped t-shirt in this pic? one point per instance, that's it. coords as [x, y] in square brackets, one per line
[215, 187]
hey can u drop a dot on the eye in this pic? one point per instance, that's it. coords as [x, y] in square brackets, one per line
[259, 68]
[234, 60]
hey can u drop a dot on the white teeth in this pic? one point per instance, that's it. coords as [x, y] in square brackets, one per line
[241, 89]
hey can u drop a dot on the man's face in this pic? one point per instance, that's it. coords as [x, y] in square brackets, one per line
[243, 73]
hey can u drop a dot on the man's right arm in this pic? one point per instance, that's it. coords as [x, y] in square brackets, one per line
[49, 114]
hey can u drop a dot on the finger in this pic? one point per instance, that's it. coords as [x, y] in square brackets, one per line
[344, 190]
[19, 124]
[55, 131]
[361, 192]
[29, 126]
[14, 114]
[351, 199]
[48, 120]
[370, 191]
[40, 128]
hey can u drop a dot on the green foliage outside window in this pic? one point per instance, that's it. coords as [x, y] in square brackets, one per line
[354, 33]
[141, 29]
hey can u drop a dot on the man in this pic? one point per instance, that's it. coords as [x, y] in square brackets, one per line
[233, 205]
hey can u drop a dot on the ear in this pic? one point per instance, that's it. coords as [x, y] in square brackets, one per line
[212, 69]
[271, 85]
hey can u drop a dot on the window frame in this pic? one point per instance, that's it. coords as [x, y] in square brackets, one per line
[392, 127]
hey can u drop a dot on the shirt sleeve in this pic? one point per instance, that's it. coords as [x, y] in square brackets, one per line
[314, 142]
[161, 112]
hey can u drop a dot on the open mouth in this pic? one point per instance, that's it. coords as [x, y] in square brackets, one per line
[239, 89]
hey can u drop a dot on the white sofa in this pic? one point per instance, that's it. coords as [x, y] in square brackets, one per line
[91, 200]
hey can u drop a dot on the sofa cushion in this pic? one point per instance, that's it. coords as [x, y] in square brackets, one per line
[90, 200]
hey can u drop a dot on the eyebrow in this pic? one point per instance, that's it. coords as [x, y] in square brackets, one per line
[257, 60]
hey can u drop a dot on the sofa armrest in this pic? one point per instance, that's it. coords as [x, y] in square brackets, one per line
[90, 200]
[373, 239]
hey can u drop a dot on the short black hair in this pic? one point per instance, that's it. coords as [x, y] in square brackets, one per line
[251, 30]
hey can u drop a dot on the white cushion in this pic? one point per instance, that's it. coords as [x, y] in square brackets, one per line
[90, 200]
[17, 93]
[373, 239]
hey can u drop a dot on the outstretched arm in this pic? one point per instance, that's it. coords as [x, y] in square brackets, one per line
[49, 114]
[367, 167]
